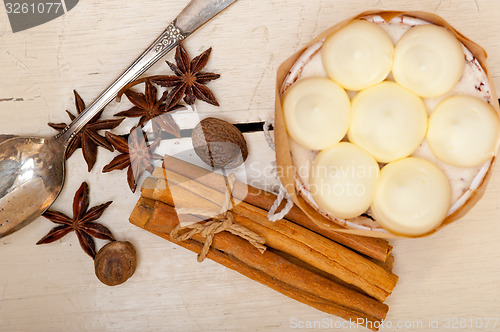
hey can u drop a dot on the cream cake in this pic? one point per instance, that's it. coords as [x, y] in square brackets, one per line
[463, 178]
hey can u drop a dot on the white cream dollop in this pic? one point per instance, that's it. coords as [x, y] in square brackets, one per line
[463, 131]
[343, 180]
[428, 60]
[358, 56]
[412, 198]
[316, 112]
[388, 121]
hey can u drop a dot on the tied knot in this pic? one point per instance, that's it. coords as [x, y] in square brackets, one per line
[220, 223]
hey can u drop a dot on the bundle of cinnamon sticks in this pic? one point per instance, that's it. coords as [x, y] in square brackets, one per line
[342, 274]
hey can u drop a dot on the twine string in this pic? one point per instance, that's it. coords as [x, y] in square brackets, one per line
[272, 215]
[224, 221]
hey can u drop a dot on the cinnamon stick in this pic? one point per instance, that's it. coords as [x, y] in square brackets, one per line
[269, 268]
[375, 248]
[282, 235]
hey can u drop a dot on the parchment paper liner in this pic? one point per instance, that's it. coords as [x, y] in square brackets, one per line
[287, 170]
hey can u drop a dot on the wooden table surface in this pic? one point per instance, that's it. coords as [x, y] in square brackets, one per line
[453, 274]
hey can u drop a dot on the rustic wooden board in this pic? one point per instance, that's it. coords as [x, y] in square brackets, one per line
[452, 275]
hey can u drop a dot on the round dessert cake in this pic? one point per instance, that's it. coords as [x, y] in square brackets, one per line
[392, 123]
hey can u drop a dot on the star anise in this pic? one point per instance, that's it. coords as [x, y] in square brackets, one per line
[88, 139]
[147, 107]
[188, 80]
[82, 222]
[136, 154]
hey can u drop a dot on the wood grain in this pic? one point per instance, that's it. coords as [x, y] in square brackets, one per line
[452, 274]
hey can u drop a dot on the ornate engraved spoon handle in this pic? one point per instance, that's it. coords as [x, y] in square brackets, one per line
[194, 15]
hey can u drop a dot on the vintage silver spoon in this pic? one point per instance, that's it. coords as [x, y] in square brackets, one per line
[32, 168]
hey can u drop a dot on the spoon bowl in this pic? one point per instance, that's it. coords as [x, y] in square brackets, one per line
[31, 177]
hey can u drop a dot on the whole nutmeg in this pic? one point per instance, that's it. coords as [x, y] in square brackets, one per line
[219, 144]
[115, 263]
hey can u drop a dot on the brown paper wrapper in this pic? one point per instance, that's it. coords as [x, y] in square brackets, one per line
[287, 170]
